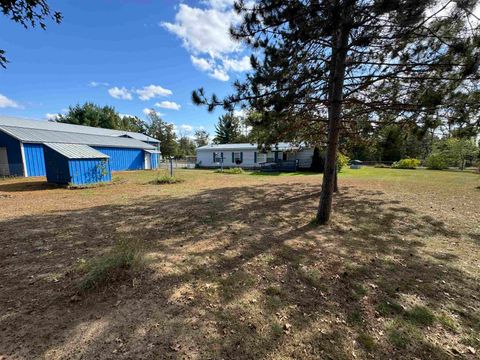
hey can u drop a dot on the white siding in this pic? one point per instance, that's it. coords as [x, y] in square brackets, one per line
[205, 159]
[304, 158]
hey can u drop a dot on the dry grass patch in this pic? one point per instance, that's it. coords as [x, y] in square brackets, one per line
[236, 270]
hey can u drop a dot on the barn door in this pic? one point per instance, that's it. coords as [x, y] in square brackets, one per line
[4, 170]
[148, 161]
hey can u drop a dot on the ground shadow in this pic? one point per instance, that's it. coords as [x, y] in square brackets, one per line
[28, 186]
[237, 272]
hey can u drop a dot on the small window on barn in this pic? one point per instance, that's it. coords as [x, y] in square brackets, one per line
[237, 157]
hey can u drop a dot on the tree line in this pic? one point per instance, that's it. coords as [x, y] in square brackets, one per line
[171, 144]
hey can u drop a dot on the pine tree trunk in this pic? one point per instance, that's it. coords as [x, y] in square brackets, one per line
[335, 183]
[337, 77]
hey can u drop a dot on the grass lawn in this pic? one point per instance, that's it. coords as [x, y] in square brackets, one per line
[222, 266]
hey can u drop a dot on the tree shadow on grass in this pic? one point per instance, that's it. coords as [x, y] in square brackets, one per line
[234, 273]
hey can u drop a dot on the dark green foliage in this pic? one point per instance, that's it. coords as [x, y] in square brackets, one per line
[390, 143]
[318, 163]
[165, 179]
[28, 13]
[90, 114]
[436, 161]
[457, 151]
[186, 147]
[227, 130]
[162, 131]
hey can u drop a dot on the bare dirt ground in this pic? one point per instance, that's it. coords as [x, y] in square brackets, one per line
[237, 270]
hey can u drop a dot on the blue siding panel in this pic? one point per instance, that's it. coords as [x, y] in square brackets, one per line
[89, 171]
[123, 158]
[154, 161]
[14, 154]
[34, 159]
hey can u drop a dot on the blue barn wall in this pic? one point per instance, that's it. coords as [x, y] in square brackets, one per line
[123, 158]
[14, 154]
[89, 171]
[34, 159]
[154, 161]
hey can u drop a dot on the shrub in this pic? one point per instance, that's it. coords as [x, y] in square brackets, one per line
[125, 256]
[165, 179]
[409, 163]
[318, 162]
[236, 170]
[436, 162]
[342, 161]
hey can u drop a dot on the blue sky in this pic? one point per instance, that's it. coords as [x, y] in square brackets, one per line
[132, 54]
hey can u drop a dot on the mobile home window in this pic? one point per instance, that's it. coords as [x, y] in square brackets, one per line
[237, 157]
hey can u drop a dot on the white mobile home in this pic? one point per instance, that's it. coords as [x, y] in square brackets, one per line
[249, 156]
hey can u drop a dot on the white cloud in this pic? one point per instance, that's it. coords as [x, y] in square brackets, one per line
[205, 30]
[148, 111]
[219, 74]
[120, 93]
[239, 65]
[126, 115]
[200, 63]
[205, 33]
[218, 4]
[151, 91]
[240, 113]
[51, 117]
[98, 83]
[171, 105]
[186, 128]
[8, 103]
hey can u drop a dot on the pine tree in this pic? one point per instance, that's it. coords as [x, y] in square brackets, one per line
[336, 61]
[227, 130]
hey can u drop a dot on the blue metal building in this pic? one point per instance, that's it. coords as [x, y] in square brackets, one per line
[76, 164]
[24, 145]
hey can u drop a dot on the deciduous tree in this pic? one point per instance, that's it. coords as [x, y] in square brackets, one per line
[201, 137]
[28, 13]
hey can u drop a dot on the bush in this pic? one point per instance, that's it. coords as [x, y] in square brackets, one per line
[125, 256]
[436, 162]
[409, 163]
[342, 161]
[165, 179]
[235, 170]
